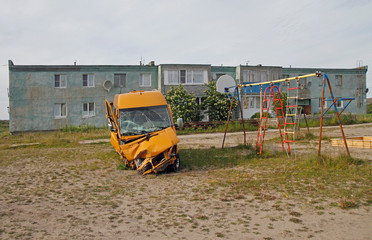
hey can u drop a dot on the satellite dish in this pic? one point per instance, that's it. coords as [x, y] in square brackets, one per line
[223, 82]
[107, 85]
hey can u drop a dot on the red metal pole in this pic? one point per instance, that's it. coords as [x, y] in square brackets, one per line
[321, 118]
[338, 118]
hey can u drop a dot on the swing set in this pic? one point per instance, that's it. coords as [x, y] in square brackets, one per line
[286, 121]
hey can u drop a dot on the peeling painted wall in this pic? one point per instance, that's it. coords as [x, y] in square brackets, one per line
[353, 86]
[33, 94]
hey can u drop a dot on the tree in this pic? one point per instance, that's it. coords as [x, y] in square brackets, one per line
[183, 104]
[216, 103]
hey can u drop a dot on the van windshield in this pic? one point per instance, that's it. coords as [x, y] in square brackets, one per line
[135, 121]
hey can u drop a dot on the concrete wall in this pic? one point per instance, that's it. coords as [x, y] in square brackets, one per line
[33, 95]
[196, 89]
[251, 101]
[353, 86]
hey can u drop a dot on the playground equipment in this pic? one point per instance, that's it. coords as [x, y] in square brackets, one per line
[286, 123]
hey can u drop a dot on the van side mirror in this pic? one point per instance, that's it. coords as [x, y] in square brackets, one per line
[112, 129]
[179, 123]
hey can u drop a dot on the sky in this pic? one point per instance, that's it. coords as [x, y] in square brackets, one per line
[307, 33]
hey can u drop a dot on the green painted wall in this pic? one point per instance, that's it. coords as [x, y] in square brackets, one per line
[353, 85]
[33, 95]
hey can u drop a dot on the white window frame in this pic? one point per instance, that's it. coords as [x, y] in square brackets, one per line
[125, 80]
[191, 75]
[340, 104]
[145, 80]
[90, 80]
[58, 110]
[186, 77]
[88, 113]
[252, 102]
[258, 103]
[63, 80]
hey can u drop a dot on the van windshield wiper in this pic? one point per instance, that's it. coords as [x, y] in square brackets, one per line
[147, 136]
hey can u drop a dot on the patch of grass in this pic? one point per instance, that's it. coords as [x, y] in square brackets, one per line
[196, 159]
[295, 220]
[311, 176]
[348, 203]
[233, 127]
[364, 118]
[369, 108]
[122, 166]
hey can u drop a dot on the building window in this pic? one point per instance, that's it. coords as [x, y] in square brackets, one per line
[60, 81]
[338, 80]
[251, 102]
[120, 80]
[88, 80]
[320, 81]
[218, 75]
[264, 76]
[145, 80]
[88, 109]
[340, 104]
[195, 77]
[173, 77]
[302, 82]
[258, 102]
[185, 77]
[60, 110]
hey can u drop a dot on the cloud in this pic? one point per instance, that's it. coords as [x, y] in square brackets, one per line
[298, 33]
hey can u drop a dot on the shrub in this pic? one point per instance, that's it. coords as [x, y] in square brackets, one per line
[183, 104]
[216, 103]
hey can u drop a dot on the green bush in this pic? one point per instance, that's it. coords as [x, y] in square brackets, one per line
[257, 115]
[216, 103]
[369, 108]
[183, 104]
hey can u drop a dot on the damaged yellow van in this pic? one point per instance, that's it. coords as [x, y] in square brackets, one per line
[143, 132]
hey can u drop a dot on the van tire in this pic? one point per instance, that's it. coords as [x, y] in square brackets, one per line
[176, 165]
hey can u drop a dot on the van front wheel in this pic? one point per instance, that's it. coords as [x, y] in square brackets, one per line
[176, 165]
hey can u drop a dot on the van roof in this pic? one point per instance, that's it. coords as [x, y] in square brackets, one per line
[136, 99]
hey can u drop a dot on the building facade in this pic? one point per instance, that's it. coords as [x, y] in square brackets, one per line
[50, 97]
[345, 83]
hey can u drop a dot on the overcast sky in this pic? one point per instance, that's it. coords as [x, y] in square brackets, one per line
[316, 33]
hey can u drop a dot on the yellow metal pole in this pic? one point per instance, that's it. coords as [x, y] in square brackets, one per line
[279, 80]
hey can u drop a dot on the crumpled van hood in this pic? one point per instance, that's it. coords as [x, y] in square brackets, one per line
[146, 148]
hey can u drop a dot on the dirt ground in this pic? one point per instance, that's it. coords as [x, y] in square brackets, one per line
[88, 198]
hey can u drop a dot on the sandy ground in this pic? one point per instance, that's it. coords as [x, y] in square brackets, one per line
[87, 199]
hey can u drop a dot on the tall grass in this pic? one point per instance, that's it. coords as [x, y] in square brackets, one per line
[369, 108]
[309, 176]
[196, 159]
[346, 119]
[233, 127]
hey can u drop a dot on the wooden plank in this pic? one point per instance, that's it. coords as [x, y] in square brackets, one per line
[355, 142]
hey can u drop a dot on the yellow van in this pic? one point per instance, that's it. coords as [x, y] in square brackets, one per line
[143, 132]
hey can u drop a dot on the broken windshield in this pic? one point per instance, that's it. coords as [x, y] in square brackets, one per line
[135, 121]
